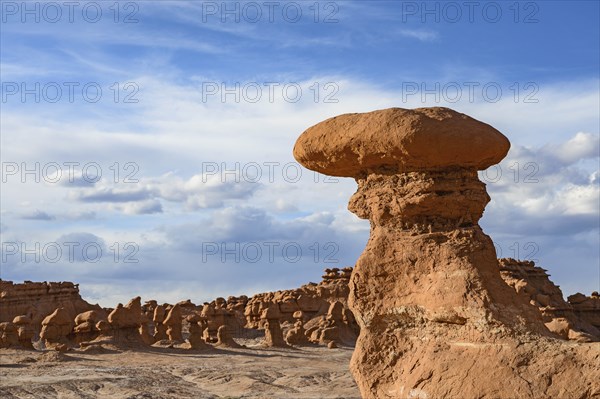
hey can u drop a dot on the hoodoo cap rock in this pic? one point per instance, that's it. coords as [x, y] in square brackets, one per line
[399, 139]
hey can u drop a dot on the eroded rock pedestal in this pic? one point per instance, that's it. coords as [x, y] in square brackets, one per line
[436, 318]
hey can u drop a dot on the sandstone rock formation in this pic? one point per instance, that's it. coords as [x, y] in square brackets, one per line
[173, 322]
[123, 326]
[147, 338]
[25, 331]
[219, 313]
[56, 327]
[91, 316]
[211, 316]
[104, 328]
[587, 310]
[436, 319]
[224, 338]
[237, 303]
[297, 334]
[38, 300]
[85, 332]
[213, 322]
[9, 337]
[569, 321]
[85, 325]
[312, 300]
[337, 326]
[195, 338]
[128, 316]
[160, 330]
[273, 333]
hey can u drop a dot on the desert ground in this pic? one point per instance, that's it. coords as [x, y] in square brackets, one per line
[251, 372]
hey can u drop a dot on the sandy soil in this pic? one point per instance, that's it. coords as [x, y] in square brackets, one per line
[253, 372]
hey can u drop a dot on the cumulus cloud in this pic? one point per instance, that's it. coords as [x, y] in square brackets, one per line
[201, 191]
[581, 146]
[545, 191]
[142, 207]
[38, 215]
[283, 206]
[36, 252]
[110, 194]
[251, 225]
[204, 191]
[546, 207]
[81, 247]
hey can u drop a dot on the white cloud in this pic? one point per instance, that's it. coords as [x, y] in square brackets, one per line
[147, 207]
[424, 35]
[579, 200]
[198, 192]
[549, 181]
[581, 146]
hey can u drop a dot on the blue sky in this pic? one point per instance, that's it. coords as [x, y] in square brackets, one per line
[207, 198]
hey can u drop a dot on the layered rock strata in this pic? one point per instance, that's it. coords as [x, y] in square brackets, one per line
[436, 319]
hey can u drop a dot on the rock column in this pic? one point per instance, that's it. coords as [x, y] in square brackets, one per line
[436, 319]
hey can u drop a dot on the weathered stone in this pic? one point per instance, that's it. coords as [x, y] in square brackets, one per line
[436, 319]
[160, 330]
[56, 327]
[37, 300]
[25, 331]
[173, 322]
[9, 337]
[195, 338]
[224, 338]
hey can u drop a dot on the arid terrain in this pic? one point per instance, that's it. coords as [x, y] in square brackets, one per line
[311, 372]
[237, 347]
